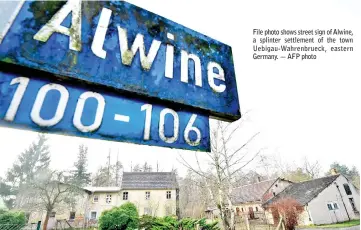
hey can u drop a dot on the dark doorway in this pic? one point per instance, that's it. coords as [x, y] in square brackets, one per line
[237, 211]
[251, 213]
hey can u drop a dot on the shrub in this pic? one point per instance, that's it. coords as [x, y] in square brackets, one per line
[290, 209]
[17, 219]
[171, 223]
[124, 217]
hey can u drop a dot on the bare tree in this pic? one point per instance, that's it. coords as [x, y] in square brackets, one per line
[49, 191]
[192, 198]
[277, 166]
[225, 162]
[313, 169]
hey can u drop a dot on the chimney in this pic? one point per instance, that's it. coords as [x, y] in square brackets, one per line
[334, 171]
[258, 179]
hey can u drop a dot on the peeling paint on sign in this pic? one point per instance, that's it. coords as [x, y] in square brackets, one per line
[119, 45]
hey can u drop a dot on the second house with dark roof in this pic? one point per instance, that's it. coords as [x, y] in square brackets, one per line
[326, 200]
[153, 193]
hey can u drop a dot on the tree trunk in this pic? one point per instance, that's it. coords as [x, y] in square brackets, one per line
[232, 225]
[45, 225]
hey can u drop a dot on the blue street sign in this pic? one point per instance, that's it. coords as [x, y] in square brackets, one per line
[30, 102]
[124, 47]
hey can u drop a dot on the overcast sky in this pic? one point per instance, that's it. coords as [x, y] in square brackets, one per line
[302, 109]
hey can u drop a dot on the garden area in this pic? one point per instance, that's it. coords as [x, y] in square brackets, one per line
[126, 217]
[12, 220]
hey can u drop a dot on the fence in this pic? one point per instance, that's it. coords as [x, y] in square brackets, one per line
[32, 226]
[74, 224]
[244, 223]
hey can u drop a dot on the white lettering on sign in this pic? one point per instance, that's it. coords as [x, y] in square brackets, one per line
[138, 44]
[38, 104]
[99, 37]
[197, 68]
[123, 118]
[212, 75]
[127, 54]
[54, 25]
[190, 128]
[148, 119]
[162, 136]
[164, 112]
[79, 112]
[169, 60]
[18, 96]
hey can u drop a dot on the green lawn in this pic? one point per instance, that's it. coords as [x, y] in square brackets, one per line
[338, 225]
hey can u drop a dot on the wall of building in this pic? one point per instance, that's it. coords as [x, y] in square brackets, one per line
[269, 217]
[319, 210]
[158, 203]
[276, 188]
[102, 205]
[304, 218]
[244, 210]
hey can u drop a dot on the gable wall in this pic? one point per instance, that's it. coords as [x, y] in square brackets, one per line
[319, 211]
[101, 205]
[276, 188]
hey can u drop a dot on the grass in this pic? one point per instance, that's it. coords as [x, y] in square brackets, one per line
[338, 225]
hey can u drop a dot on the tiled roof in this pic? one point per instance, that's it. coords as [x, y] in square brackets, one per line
[252, 192]
[149, 180]
[303, 192]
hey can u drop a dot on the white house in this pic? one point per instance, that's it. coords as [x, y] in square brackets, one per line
[324, 200]
[153, 193]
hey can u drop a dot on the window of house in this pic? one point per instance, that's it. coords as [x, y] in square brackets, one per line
[274, 194]
[335, 206]
[242, 210]
[169, 195]
[108, 199]
[147, 195]
[147, 211]
[72, 216]
[93, 215]
[347, 189]
[125, 195]
[329, 206]
[256, 209]
[96, 199]
[276, 185]
[52, 214]
[352, 202]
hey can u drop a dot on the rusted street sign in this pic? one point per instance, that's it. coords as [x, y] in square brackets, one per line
[121, 46]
